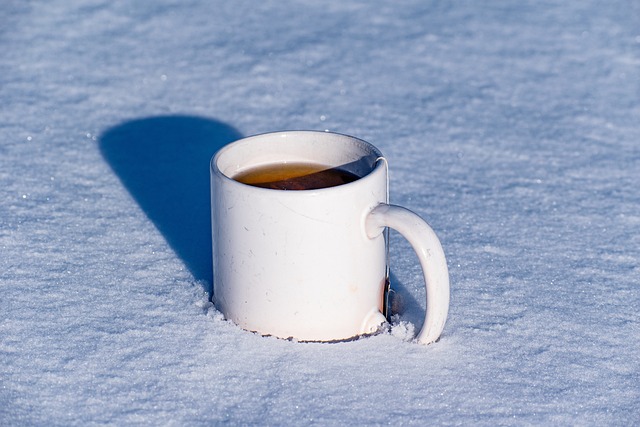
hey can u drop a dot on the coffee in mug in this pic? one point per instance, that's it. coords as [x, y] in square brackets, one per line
[295, 176]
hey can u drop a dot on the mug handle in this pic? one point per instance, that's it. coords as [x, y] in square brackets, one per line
[429, 250]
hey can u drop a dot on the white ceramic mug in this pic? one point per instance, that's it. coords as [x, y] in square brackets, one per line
[312, 264]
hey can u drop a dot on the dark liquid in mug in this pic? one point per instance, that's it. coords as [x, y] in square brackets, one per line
[295, 176]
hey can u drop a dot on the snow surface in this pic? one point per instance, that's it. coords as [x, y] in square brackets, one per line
[512, 126]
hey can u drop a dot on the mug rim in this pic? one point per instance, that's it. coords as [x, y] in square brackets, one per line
[374, 150]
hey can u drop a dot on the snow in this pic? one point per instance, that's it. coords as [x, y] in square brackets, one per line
[511, 126]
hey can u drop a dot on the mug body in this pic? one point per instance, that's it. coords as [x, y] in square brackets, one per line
[298, 263]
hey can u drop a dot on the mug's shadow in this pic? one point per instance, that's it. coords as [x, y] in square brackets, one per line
[164, 163]
[403, 303]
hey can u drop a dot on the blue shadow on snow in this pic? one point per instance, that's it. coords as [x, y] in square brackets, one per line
[164, 163]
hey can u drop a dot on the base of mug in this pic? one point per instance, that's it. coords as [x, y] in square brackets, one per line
[372, 331]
